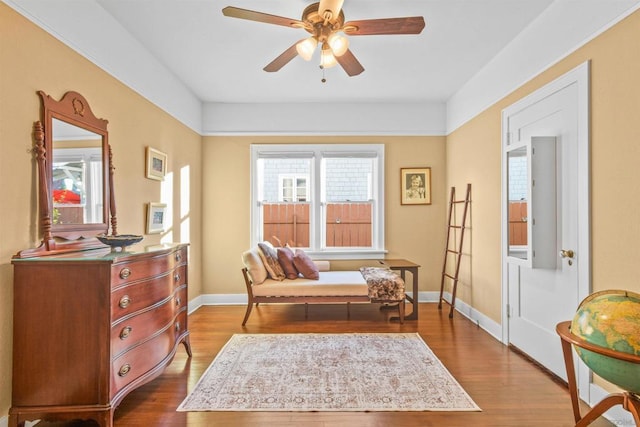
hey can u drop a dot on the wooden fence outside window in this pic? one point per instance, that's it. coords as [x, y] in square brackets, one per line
[348, 224]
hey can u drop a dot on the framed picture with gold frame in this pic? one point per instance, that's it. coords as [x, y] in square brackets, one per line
[415, 186]
[156, 164]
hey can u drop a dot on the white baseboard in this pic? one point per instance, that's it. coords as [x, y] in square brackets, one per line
[493, 328]
[4, 421]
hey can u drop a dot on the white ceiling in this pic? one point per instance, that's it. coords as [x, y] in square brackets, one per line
[185, 56]
[221, 59]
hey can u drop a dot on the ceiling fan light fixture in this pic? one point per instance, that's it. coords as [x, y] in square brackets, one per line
[306, 47]
[327, 60]
[339, 44]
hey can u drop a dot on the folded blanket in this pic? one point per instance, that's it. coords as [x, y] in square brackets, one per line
[384, 284]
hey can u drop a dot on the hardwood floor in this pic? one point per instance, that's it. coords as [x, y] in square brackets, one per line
[510, 390]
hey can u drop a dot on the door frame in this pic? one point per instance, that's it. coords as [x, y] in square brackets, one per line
[579, 76]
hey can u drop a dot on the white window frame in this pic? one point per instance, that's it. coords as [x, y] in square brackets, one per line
[316, 198]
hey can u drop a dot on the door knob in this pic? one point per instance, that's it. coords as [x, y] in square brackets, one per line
[566, 253]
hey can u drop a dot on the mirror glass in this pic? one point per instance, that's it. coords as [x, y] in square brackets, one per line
[518, 193]
[77, 175]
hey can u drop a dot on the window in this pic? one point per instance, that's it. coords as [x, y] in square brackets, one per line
[293, 188]
[327, 199]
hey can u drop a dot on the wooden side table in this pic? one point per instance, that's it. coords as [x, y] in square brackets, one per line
[403, 265]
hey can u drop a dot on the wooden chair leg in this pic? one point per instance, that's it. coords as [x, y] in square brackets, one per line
[246, 316]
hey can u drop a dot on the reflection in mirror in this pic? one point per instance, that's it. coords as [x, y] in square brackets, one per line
[518, 190]
[77, 179]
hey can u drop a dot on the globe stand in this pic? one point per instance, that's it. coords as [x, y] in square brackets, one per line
[628, 400]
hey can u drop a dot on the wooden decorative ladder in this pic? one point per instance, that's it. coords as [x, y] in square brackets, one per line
[457, 252]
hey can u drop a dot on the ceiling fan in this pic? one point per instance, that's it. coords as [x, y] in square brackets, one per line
[326, 23]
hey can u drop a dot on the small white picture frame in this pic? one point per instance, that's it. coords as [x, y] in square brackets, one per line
[156, 217]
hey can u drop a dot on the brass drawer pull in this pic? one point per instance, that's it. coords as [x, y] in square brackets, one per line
[178, 256]
[124, 370]
[124, 273]
[125, 301]
[178, 302]
[125, 332]
[177, 326]
[176, 277]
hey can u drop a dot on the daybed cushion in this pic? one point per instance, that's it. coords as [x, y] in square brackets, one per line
[253, 262]
[330, 283]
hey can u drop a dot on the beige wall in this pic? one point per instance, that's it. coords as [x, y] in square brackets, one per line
[413, 232]
[473, 154]
[32, 60]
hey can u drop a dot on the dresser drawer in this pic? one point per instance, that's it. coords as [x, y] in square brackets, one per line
[132, 330]
[136, 296]
[137, 361]
[180, 299]
[125, 272]
[180, 324]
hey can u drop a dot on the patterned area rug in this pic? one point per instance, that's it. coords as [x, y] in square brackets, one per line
[327, 372]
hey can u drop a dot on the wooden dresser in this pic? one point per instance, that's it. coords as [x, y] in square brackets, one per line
[91, 326]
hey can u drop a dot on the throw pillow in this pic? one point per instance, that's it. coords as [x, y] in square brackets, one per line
[252, 261]
[285, 257]
[270, 258]
[305, 265]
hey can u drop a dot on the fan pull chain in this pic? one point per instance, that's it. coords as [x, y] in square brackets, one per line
[323, 80]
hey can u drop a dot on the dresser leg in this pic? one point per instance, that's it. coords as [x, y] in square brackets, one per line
[187, 345]
[13, 421]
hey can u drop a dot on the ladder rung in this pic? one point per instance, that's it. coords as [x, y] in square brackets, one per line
[452, 251]
[455, 226]
[450, 276]
[459, 201]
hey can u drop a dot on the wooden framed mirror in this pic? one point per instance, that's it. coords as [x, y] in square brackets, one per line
[75, 176]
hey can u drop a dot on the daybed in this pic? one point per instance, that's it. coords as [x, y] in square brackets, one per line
[283, 275]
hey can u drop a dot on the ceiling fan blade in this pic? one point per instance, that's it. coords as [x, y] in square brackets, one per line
[366, 27]
[252, 15]
[282, 60]
[332, 5]
[350, 63]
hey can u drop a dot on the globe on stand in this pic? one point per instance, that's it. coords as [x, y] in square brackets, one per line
[610, 319]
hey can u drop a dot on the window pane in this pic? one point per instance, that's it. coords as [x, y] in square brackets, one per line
[284, 220]
[348, 179]
[301, 189]
[275, 171]
[349, 209]
[349, 224]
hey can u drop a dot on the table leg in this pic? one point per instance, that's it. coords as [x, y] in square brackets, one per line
[414, 298]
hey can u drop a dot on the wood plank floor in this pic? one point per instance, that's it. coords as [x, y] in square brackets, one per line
[510, 390]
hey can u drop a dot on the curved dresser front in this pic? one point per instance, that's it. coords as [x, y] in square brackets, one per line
[91, 326]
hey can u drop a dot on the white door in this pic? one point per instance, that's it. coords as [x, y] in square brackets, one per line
[540, 297]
